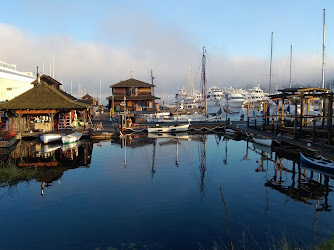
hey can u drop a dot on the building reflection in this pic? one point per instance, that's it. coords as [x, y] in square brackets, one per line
[52, 160]
[298, 181]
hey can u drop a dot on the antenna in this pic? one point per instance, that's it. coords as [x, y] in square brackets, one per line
[53, 65]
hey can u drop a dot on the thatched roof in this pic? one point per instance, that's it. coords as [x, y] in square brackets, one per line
[132, 83]
[44, 96]
[49, 80]
[86, 96]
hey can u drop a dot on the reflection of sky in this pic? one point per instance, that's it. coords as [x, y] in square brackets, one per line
[107, 205]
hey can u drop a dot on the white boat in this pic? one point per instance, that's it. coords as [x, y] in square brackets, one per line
[317, 161]
[234, 98]
[230, 131]
[263, 140]
[214, 96]
[52, 137]
[254, 96]
[71, 137]
[168, 129]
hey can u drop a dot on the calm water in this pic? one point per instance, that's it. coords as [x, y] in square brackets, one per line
[164, 193]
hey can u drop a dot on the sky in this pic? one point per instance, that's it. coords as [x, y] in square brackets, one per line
[99, 43]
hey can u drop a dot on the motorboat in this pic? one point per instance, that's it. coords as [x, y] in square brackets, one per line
[168, 129]
[214, 96]
[254, 96]
[52, 137]
[70, 138]
[234, 98]
[317, 161]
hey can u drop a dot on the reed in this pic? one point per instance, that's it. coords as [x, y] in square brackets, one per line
[11, 174]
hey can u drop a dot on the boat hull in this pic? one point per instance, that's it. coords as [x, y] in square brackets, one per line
[74, 137]
[169, 129]
[318, 162]
[263, 141]
[48, 138]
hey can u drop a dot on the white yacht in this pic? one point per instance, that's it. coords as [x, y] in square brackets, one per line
[234, 98]
[214, 96]
[254, 96]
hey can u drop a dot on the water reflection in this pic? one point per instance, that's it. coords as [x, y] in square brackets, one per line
[179, 184]
[301, 183]
[49, 162]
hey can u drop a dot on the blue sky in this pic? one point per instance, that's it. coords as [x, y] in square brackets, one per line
[112, 40]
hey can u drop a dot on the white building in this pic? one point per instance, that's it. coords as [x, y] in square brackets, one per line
[13, 82]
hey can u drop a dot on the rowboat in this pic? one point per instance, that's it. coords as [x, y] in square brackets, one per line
[71, 137]
[263, 140]
[318, 161]
[230, 131]
[168, 129]
[52, 137]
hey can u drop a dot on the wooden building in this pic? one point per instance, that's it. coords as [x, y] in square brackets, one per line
[92, 100]
[132, 95]
[45, 108]
[299, 122]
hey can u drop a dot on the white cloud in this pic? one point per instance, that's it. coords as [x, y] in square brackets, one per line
[165, 50]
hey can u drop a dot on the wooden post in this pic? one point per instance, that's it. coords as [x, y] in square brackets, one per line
[314, 129]
[308, 111]
[248, 106]
[301, 113]
[255, 123]
[295, 121]
[277, 118]
[282, 112]
[264, 115]
[330, 116]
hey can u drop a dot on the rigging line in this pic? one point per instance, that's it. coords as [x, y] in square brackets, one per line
[211, 70]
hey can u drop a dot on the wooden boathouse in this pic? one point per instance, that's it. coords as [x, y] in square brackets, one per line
[133, 95]
[298, 122]
[45, 108]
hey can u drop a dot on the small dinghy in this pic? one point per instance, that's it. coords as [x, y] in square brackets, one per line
[263, 140]
[52, 137]
[74, 137]
[168, 129]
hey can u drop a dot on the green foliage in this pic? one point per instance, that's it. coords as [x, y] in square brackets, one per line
[329, 244]
[10, 173]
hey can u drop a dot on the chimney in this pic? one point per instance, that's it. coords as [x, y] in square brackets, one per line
[38, 77]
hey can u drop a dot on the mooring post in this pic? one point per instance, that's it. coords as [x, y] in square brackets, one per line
[295, 122]
[330, 116]
[314, 129]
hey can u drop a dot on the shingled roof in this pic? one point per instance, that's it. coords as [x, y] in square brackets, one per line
[43, 96]
[131, 83]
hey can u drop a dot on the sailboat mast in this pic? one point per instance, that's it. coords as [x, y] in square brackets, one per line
[290, 64]
[271, 60]
[323, 85]
[204, 80]
[153, 102]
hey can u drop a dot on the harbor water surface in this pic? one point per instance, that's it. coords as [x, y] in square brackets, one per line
[183, 192]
